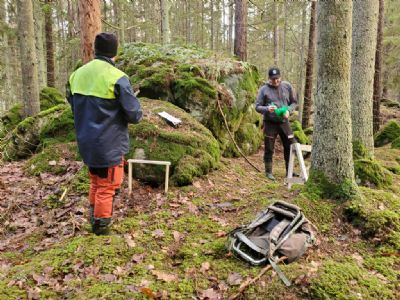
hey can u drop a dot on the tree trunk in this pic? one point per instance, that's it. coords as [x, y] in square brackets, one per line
[365, 22]
[240, 42]
[28, 58]
[332, 156]
[276, 35]
[301, 63]
[377, 94]
[48, 25]
[165, 32]
[40, 51]
[212, 24]
[90, 21]
[230, 28]
[308, 87]
[121, 22]
[8, 96]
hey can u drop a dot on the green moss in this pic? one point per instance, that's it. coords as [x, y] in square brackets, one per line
[371, 172]
[59, 129]
[299, 134]
[396, 143]
[10, 119]
[376, 212]
[50, 97]
[387, 134]
[39, 163]
[81, 181]
[308, 131]
[318, 186]
[360, 151]
[344, 279]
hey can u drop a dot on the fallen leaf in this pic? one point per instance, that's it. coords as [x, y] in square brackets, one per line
[220, 234]
[234, 279]
[210, 294]
[129, 241]
[109, 277]
[52, 163]
[137, 258]
[164, 276]
[148, 292]
[205, 266]
[177, 235]
[197, 184]
[158, 233]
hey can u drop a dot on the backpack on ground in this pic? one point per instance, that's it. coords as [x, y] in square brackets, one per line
[280, 230]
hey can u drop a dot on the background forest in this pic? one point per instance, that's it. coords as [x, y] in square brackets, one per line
[277, 35]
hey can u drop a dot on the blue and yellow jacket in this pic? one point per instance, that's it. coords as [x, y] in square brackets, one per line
[103, 104]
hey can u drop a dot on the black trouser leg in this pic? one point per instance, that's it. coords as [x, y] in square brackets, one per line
[287, 138]
[270, 134]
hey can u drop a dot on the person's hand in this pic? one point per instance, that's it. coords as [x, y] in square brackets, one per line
[271, 108]
[286, 115]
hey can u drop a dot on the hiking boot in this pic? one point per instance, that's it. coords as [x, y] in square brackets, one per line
[268, 170]
[270, 176]
[101, 226]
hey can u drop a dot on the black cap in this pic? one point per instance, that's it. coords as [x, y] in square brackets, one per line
[106, 44]
[274, 73]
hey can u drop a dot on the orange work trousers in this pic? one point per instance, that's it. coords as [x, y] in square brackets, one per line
[103, 183]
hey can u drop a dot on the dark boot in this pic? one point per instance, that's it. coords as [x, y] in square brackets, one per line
[101, 226]
[268, 170]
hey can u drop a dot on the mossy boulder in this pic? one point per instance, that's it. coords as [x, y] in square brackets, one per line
[387, 134]
[376, 212]
[190, 147]
[52, 159]
[54, 124]
[196, 80]
[369, 171]
[49, 97]
[396, 143]
[299, 134]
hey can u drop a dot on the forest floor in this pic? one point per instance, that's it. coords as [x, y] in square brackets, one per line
[173, 246]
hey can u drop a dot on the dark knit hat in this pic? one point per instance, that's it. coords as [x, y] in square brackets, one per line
[106, 44]
[274, 73]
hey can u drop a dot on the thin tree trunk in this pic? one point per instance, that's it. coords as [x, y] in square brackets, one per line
[9, 96]
[90, 21]
[165, 32]
[365, 22]
[240, 42]
[301, 64]
[40, 51]
[284, 54]
[308, 88]
[332, 156]
[212, 24]
[230, 28]
[28, 58]
[121, 22]
[377, 94]
[276, 35]
[48, 25]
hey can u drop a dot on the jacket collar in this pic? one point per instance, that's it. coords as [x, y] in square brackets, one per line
[105, 58]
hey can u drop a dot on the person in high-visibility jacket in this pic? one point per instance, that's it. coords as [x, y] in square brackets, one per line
[103, 103]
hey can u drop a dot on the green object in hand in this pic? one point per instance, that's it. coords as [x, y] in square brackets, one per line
[281, 111]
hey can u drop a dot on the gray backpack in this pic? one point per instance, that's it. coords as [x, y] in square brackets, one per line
[280, 230]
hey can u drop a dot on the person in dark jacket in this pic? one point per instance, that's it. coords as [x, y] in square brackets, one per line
[276, 100]
[103, 103]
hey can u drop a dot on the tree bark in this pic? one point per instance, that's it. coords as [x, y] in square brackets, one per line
[39, 43]
[165, 32]
[276, 35]
[377, 94]
[48, 25]
[230, 28]
[240, 42]
[28, 58]
[365, 22]
[301, 63]
[308, 87]
[90, 21]
[332, 155]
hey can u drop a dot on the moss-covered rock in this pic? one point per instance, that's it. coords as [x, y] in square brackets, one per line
[25, 138]
[52, 159]
[387, 134]
[190, 147]
[369, 172]
[50, 97]
[376, 212]
[195, 79]
[299, 134]
[396, 143]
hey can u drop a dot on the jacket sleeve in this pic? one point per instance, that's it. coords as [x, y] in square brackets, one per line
[260, 105]
[129, 103]
[292, 99]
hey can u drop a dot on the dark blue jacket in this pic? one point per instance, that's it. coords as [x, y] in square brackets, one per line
[103, 104]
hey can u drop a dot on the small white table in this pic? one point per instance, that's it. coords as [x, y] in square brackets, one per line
[152, 162]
